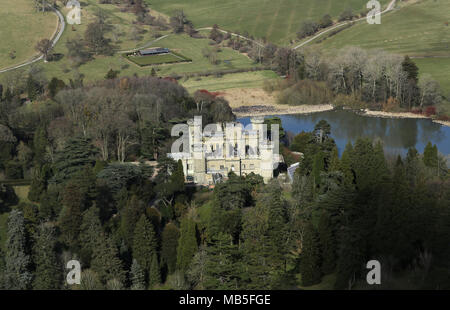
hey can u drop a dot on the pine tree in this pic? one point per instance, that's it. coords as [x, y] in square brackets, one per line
[40, 142]
[310, 257]
[145, 243]
[327, 244]
[17, 274]
[430, 155]
[222, 267]
[90, 280]
[410, 68]
[154, 276]
[129, 216]
[47, 274]
[170, 237]
[187, 244]
[77, 153]
[71, 216]
[335, 164]
[318, 167]
[346, 164]
[276, 230]
[91, 230]
[137, 276]
[105, 260]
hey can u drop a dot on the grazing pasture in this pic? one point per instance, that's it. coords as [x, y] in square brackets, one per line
[420, 28]
[21, 27]
[276, 20]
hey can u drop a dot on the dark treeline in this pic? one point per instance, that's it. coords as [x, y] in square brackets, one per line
[135, 226]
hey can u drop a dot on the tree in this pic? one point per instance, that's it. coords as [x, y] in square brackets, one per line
[327, 244]
[111, 74]
[154, 277]
[197, 270]
[77, 153]
[325, 21]
[310, 257]
[44, 46]
[187, 244]
[96, 40]
[137, 276]
[430, 93]
[91, 229]
[48, 273]
[170, 237]
[76, 51]
[222, 265]
[129, 216]
[410, 68]
[145, 243]
[70, 218]
[106, 262]
[307, 28]
[17, 275]
[215, 34]
[55, 86]
[430, 155]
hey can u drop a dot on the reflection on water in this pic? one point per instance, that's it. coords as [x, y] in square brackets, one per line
[397, 134]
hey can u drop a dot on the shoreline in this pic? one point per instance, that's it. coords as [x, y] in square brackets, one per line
[246, 102]
[266, 110]
[371, 113]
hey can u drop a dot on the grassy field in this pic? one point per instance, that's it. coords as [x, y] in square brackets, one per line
[21, 28]
[439, 68]
[122, 40]
[157, 59]
[229, 81]
[277, 20]
[417, 29]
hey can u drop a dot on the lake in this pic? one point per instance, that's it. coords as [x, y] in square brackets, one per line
[397, 134]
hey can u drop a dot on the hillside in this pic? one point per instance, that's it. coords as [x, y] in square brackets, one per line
[25, 27]
[276, 20]
[122, 39]
[416, 28]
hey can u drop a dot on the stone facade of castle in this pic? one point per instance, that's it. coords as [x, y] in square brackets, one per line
[218, 149]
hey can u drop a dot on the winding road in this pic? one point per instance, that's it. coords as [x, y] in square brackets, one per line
[59, 32]
[390, 7]
[62, 26]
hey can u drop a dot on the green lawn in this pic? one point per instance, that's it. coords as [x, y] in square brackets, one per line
[123, 22]
[439, 68]
[21, 28]
[235, 80]
[157, 59]
[417, 29]
[277, 20]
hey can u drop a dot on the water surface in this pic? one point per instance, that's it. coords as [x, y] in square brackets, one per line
[397, 134]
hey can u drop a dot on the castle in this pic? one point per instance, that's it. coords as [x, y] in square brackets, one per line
[219, 148]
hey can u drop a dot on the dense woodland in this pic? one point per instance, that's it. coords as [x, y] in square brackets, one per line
[135, 226]
[83, 150]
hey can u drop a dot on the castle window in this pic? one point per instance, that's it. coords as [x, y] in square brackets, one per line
[252, 166]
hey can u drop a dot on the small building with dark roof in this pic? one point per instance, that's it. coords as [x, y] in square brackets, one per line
[154, 51]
